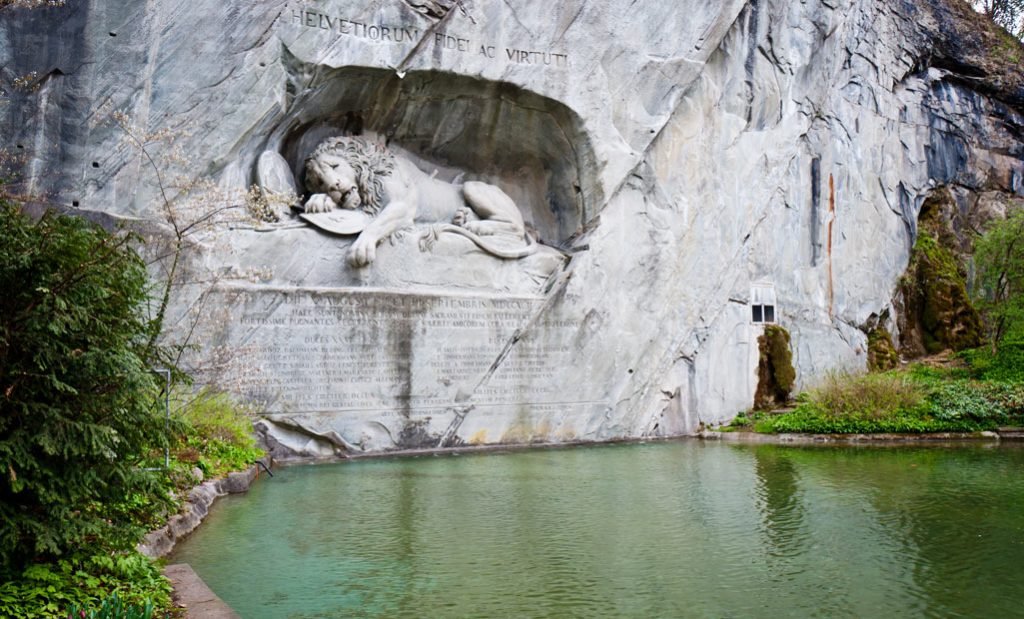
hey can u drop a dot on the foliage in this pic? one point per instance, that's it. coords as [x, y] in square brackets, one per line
[218, 437]
[930, 375]
[872, 396]
[1006, 365]
[80, 582]
[775, 372]
[212, 432]
[999, 283]
[744, 421]
[819, 422]
[77, 416]
[113, 608]
[31, 4]
[919, 399]
[1007, 13]
[991, 405]
[741, 420]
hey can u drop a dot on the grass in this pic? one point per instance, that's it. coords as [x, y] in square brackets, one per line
[983, 392]
[217, 436]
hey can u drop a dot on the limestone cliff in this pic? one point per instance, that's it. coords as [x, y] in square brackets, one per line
[688, 165]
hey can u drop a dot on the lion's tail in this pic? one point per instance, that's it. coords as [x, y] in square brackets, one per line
[499, 252]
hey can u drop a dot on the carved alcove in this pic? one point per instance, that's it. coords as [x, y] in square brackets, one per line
[531, 146]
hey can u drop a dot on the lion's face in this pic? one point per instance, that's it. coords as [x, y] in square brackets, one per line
[331, 174]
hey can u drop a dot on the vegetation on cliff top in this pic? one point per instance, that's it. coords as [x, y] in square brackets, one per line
[1006, 13]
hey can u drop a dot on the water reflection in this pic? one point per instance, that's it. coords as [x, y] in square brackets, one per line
[685, 529]
[778, 495]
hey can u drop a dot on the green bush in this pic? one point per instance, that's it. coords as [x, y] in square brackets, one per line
[1005, 366]
[819, 422]
[217, 434]
[868, 396]
[847, 404]
[999, 283]
[962, 400]
[113, 608]
[923, 399]
[989, 404]
[83, 582]
[77, 398]
[81, 421]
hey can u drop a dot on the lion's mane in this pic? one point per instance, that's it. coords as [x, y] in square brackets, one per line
[371, 161]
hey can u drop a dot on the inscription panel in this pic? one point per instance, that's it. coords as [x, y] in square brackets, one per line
[393, 354]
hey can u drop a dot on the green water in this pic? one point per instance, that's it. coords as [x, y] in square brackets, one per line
[686, 529]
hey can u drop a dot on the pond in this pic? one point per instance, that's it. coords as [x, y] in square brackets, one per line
[690, 528]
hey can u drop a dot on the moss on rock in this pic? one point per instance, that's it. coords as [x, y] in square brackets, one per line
[775, 372]
[882, 354]
[937, 310]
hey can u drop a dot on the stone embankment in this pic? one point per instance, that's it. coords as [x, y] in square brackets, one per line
[161, 542]
[192, 594]
[935, 438]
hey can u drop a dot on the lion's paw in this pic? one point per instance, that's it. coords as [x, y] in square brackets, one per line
[319, 203]
[363, 252]
[461, 216]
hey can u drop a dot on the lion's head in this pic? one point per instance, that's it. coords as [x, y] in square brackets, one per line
[369, 160]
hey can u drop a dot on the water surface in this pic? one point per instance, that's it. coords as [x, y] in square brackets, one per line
[690, 529]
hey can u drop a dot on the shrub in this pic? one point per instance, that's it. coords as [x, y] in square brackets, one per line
[988, 404]
[870, 396]
[84, 582]
[921, 400]
[77, 412]
[818, 422]
[999, 284]
[846, 404]
[1006, 365]
[217, 432]
[113, 608]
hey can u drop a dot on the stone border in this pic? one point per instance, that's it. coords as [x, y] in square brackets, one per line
[161, 542]
[469, 449]
[935, 438]
[192, 594]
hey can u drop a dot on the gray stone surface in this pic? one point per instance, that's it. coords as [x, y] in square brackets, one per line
[678, 160]
[191, 593]
[273, 175]
[160, 543]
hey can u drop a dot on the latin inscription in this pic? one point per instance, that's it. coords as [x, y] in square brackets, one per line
[393, 353]
[444, 41]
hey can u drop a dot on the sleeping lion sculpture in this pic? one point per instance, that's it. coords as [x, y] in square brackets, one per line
[361, 187]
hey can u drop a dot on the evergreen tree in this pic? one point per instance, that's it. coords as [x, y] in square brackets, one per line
[77, 397]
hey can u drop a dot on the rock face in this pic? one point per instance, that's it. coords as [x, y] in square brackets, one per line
[683, 167]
